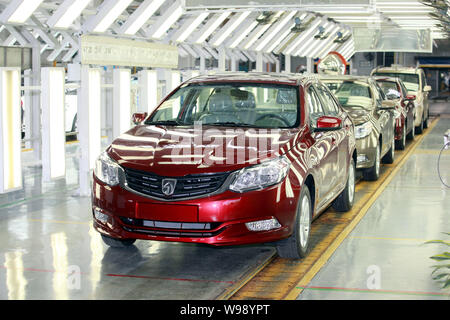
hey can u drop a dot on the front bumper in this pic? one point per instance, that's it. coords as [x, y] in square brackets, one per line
[218, 219]
[366, 151]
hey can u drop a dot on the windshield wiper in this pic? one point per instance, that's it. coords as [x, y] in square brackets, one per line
[228, 124]
[164, 122]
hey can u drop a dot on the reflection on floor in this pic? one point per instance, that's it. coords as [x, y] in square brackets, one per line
[384, 257]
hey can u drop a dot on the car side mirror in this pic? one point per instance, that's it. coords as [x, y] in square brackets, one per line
[138, 117]
[327, 123]
[410, 97]
[387, 105]
[393, 96]
[427, 88]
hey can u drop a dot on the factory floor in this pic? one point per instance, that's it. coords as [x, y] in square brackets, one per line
[49, 250]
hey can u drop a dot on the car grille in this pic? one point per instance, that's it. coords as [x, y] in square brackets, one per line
[171, 229]
[186, 187]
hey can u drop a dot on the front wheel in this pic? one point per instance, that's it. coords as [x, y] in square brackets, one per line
[419, 129]
[296, 246]
[390, 156]
[411, 134]
[401, 144]
[117, 243]
[425, 121]
[373, 173]
[344, 202]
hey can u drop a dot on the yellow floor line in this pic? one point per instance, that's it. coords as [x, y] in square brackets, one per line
[294, 293]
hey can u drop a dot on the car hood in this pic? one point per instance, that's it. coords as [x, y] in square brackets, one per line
[179, 151]
[358, 115]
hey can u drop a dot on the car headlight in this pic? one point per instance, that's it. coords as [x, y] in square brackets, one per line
[260, 176]
[107, 170]
[363, 130]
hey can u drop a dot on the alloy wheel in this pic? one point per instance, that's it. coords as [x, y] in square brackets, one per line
[305, 222]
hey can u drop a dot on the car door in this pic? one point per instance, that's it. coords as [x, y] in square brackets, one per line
[339, 140]
[385, 119]
[323, 152]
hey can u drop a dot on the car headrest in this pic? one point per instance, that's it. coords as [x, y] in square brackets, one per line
[286, 96]
[220, 102]
[243, 99]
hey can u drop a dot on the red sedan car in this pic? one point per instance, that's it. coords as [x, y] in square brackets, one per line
[395, 90]
[229, 159]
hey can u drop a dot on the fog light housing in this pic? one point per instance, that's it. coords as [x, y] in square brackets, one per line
[100, 216]
[263, 225]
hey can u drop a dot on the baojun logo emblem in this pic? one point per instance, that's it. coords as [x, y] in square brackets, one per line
[168, 186]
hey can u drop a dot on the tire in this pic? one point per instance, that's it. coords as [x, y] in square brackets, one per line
[419, 129]
[401, 144]
[297, 245]
[411, 134]
[372, 174]
[389, 157]
[117, 243]
[425, 121]
[344, 202]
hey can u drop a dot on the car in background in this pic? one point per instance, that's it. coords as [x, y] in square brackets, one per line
[394, 90]
[416, 84]
[228, 159]
[373, 118]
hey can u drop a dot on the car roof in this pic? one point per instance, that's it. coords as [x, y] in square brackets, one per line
[398, 69]
[345, 77]
[259, 77]
[385, 78]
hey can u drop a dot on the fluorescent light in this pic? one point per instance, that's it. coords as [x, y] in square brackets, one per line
[66, 13]
[19, 11]
[148, 83]
[304, 35]
[175, 82]
[243, 34]
[109, 13]
[53, 120]
[278, 39]
[167, 20]
[275, 30]
[191, 27]
[140, 16]
[230, 27]
[10, 130]
[215, 23]
[121, 103]
[260, 32]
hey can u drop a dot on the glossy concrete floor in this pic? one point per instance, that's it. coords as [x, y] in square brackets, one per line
[384, 257]
[48, 249]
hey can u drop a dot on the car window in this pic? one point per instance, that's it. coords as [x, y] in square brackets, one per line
[315, 107]
[389, 88]
[411, 80]
[329, 104]
[354, 93]
[231, 104]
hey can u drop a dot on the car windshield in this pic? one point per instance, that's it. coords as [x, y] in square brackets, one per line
[230, 104]
[410, 80]
[389, 88]
[351, 93]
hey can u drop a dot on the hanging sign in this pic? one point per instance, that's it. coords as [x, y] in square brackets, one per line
[106, 51]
